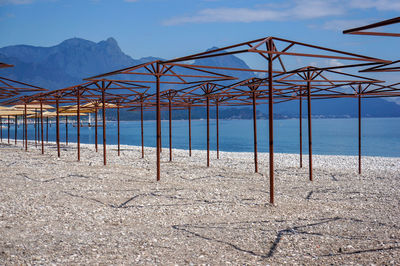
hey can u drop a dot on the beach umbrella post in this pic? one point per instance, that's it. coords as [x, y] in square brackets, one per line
[170, 128]
[66, 130]
[118, 130]
[190, 129]
[78, 122]
[26, 128]
[158, 116]
[141, 126]
[271, 125]
[15, 129]
[301, 131]
[217, 125]
[41, 125]
[104, 124]
[8, 129]
[359, 129]
[255, 131]
[58, 129]
[95, 128]
[208, 130]
[309, 127]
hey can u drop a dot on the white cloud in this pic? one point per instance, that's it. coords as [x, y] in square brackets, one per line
[382, 5]
[339, 25]
[288, 10]
[300, 9]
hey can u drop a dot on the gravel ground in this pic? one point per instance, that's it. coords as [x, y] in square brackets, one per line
[67, 212]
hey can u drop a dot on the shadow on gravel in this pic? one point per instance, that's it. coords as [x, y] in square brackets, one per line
[190, 229]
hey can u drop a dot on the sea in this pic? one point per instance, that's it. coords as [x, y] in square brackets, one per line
[339, 136]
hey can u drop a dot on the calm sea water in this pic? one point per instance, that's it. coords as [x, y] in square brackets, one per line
[380, 136]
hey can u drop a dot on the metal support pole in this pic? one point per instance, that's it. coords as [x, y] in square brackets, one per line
[95, 129]
[255, 132]
[23, 131]
[8, 128]
[190, 129]
[217, 124]
[78, 122]
[141, 126]
[103, 99]
[359, 132]
[1, 127]
[301, 131]
[35, 126]
[58, 130]
[41, 123]
[16, 129]
[66, 130]
[118, 133]
[309, 128]
[158, 116]
[47, 129]
[26, 128]
[170, 129]
[208, 131]
[271, 127]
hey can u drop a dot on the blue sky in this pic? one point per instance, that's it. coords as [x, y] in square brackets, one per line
[173, 28]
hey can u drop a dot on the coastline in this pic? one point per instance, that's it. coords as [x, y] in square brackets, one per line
[63, 211]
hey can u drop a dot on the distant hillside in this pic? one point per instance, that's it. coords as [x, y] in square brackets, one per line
[67, 63]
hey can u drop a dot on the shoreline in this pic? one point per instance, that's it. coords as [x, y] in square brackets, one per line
[115, 146]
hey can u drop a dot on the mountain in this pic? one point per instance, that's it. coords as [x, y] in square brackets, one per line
[67, 63]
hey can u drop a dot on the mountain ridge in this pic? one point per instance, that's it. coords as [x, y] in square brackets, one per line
[68, 62]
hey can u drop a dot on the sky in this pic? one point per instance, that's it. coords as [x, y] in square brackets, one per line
[175, 28]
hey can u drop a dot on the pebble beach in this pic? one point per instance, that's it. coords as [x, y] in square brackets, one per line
[61, 211]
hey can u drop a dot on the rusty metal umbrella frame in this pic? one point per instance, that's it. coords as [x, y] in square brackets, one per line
[280, 85]
[362, 30]
[172, 74]
[92, 92]
[271, 52]
[10, 90]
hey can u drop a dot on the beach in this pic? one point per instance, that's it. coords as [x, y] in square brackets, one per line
[58, 210]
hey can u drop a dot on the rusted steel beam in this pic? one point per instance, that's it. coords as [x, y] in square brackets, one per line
[15, 129]
[301, 131]
[41, 122]
[78, 122]
[359, 30]
[66, 130]
[8, 129]
[158, 116]
[118, 130]
[141, 127]
[359, 134]
[217, 125]
[208, 131]
[35, 125]
[26, 128]
[47, 129]
[58, 128]
[190, 129]
[170, 129]
[309, 132]
[104, 125]
[271, 127]
[95, 129]
[254, 98]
